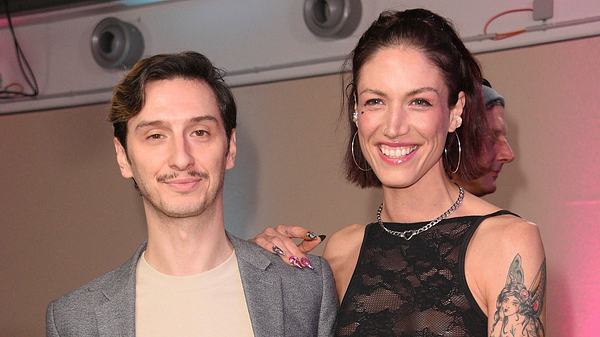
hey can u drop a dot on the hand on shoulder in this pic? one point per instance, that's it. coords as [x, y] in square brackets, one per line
[279, 241]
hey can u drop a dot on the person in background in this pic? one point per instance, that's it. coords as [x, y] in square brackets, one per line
[497, 151]
[438, 259]
[174, 123]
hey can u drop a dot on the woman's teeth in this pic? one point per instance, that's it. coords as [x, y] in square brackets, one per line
[396, 152]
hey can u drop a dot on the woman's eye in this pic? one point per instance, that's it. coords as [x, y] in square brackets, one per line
[373, 101]
[420, 102]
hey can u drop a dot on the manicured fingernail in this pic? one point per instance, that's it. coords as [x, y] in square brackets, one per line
[322, 237]
[311, 235]
[278, 251]
[306, 263]
[295, 261]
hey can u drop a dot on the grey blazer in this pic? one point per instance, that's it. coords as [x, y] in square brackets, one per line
[282, 300]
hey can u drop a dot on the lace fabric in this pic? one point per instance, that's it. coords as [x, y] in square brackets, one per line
[413, 288]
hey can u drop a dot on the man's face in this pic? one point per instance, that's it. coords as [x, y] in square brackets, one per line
[497, 153]
[177, 149]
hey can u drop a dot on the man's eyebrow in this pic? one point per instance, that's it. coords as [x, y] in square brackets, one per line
[160, 123]
[145, 124]
[204, 118]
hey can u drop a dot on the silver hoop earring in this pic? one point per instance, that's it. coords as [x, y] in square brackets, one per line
[459, 153]
[354, 157]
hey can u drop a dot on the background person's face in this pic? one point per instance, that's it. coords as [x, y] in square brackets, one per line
[497, 153]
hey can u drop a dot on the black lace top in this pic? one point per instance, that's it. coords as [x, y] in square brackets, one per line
[413, 288]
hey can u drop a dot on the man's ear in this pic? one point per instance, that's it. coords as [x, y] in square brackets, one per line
[456, 113]
[122, 159]
[230, 161]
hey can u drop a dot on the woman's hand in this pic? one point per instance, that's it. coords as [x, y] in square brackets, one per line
[279, 240]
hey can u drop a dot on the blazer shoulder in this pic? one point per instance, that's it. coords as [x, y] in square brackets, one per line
[94, 292]
[251, 252]
[256, 256]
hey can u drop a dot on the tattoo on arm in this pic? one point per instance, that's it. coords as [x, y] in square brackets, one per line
[518, 308]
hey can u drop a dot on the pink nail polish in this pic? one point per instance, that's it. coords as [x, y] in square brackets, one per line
[305, 262]
[295, 261]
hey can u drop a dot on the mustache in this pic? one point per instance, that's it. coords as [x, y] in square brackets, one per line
[168, 176]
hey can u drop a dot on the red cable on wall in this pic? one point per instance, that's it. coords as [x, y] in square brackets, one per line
[505, 35]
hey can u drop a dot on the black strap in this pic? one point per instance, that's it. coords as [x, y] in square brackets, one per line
[497, 213]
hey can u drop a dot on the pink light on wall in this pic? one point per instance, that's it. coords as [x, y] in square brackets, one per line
[553, 114]
[576, 300]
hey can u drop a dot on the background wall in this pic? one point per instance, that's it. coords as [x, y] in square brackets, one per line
[68, 216]
[270, 35]
[554, 126]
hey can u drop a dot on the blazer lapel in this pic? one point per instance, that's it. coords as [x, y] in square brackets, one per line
[262, 289]
[116, 316]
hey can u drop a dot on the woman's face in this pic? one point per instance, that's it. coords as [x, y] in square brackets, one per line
[403, 116]
[510, 305]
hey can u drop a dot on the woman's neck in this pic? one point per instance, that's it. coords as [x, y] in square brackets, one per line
[423, 201]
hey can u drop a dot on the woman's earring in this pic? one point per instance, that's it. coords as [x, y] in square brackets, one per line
[354, 157]
[355, 113]
[458, 121]
[459, 153]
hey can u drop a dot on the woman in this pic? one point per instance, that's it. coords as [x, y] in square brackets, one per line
[414, 107]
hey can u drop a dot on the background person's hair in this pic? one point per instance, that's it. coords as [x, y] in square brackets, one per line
[435, 37]
[491, 97]
[129, 95]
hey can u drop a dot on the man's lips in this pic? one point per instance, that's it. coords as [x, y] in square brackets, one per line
[495, 172]
[183, 184]
[182, 181]
[176, 176]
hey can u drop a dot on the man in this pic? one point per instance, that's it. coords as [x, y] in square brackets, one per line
[174, 124]
[498, 152]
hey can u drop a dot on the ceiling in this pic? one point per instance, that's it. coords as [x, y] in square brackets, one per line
[22, 7]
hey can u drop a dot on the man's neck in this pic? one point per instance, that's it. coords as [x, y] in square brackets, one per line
[186, 246]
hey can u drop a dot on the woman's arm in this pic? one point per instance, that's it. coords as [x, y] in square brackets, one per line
[507, 263]
[342, 251]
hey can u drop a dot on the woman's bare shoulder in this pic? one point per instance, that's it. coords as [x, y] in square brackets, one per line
[509, 227]
[473, 205]
[496, 244]
[342, 252]
[345, 240]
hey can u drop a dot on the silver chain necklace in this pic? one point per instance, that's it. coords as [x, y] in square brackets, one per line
[409, 234]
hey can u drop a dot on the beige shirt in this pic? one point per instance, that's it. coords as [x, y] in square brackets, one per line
[208, 304]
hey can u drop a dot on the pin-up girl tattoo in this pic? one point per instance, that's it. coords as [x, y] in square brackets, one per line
[518, 309]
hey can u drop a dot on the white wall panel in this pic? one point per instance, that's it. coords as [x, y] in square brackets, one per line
[255, 41]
